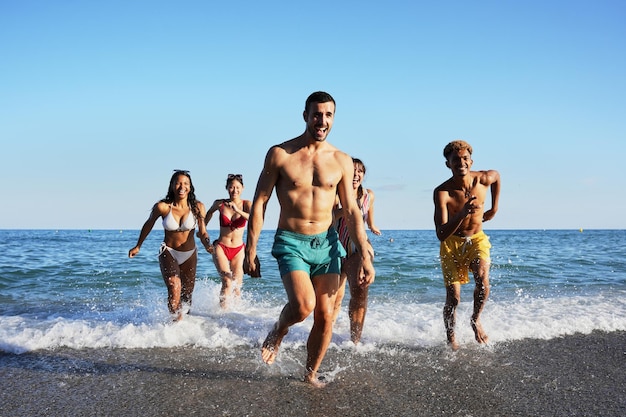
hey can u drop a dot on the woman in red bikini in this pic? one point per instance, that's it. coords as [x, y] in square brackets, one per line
[227, 250]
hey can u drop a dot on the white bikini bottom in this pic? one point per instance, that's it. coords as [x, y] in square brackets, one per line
[179, 256]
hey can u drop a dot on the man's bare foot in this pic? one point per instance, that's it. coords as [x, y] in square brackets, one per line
[311, 378]
[479, 333]
[452, 340]
[269, 350]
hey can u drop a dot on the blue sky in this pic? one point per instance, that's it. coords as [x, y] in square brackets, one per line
[100, 101]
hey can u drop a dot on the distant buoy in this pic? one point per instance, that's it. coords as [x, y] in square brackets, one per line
[580, 230]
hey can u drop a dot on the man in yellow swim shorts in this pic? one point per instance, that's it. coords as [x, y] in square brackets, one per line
[459, 216]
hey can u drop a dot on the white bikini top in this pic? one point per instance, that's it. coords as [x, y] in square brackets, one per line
[171, 225]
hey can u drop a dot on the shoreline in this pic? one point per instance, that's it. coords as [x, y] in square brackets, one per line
[581, 374]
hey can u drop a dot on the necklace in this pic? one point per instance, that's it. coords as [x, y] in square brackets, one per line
[467, 191]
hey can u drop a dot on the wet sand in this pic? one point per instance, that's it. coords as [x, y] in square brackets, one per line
[582, 375]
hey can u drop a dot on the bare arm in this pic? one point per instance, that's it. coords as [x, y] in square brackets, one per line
[446, 226]
[207, 217]
[492, 178]
[212, 209]
[245, 211]
[203, 234]
[145, 230]
[264, 188]
[370, 215]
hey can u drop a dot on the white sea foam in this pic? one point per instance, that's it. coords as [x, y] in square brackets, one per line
[247, 322]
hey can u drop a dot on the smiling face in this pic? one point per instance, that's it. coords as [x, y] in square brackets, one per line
[359, 174]
[460, 162]
[319, 119]
[234, 188]
[180, 186]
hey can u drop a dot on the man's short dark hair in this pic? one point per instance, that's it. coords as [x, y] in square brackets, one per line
[318, 97]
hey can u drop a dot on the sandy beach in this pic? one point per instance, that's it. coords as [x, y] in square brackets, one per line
[583, 375]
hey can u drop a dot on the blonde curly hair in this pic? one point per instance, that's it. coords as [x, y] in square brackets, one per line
[455, 146]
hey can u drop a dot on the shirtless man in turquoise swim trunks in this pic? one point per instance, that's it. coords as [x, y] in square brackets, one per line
[308, 173]
[459, 217]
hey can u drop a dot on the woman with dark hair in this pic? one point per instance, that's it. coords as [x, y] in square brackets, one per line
[227, 250]
[350, 265]
[181, 213]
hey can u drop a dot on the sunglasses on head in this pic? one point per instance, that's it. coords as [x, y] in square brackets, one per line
[235, 176]
[181, 171]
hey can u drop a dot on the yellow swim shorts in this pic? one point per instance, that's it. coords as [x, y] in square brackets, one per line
[456, 253]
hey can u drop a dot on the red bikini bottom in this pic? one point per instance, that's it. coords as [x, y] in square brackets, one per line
[231, 252]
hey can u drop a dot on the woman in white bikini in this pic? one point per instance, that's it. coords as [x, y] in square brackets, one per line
[178, 257]
[227, 250]
[350, 266]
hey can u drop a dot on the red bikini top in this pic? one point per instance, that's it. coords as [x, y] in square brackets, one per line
[237, 223]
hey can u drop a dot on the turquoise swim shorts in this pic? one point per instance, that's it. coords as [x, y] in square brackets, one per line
[315, 254]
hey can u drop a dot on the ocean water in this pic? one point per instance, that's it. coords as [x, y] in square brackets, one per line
[78, 289]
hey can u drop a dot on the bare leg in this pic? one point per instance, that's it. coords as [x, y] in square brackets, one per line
[326, 287]
[188, 279]
[356, 311]
[231, 285]
[358, 299]
[481, 293]
[236, 266]
[340, 293]
[227, 280]
[171, 276]
[223, 268]
[301, 296]
[453, 297]
[173, 296]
